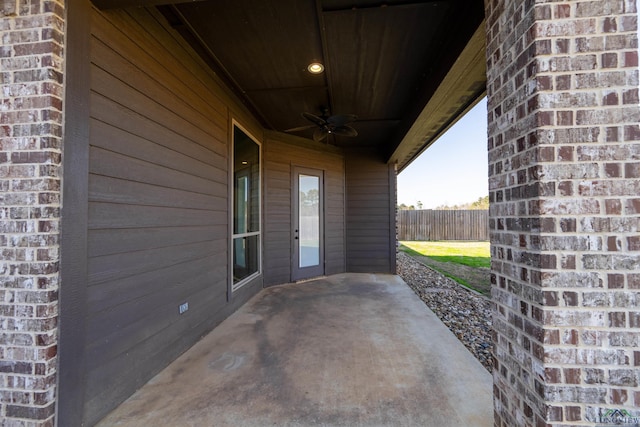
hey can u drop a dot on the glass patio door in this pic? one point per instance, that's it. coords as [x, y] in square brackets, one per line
[308, 224]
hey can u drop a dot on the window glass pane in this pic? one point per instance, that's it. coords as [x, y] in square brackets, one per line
[245, 204]
[309, 220]
[241, 215]
[245, 257]
[246, 173]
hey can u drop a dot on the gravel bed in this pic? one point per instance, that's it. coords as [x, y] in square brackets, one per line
[466, 314]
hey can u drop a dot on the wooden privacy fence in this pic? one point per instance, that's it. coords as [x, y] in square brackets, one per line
[443, 225]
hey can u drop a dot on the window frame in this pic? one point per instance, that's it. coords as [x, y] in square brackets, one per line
[233, 287]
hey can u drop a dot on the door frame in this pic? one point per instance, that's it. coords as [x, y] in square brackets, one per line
[301, 273]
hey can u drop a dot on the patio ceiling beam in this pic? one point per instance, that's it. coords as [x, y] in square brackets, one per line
[380, 5]
[119, 4]
[325, 53]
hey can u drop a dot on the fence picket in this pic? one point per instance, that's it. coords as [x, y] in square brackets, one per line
[443, 225]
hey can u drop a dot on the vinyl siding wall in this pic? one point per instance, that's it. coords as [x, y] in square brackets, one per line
[158, 205]
[371, 204]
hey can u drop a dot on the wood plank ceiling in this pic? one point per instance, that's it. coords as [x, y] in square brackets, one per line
[383, 60]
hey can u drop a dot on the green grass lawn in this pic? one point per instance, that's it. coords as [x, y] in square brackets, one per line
[460, 261]
[473, 254]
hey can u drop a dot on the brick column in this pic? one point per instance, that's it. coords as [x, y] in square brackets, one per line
[564, 153]
[30, 160]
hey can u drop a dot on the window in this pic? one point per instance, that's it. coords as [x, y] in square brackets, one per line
[246, 203]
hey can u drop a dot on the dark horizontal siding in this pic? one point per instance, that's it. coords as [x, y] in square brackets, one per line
[370, 214]
[158, 206]
[146, 194]
[148, 134]
[133, 366]
[110, 241]
[145, 284]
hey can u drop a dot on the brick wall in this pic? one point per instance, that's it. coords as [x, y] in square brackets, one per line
[30, 156]
[564, 153]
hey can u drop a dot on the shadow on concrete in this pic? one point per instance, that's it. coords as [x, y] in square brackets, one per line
[346, 350]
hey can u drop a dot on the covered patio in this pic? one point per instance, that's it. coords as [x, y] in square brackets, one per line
[154, 162]
[348, 349]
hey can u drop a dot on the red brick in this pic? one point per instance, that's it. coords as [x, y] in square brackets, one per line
[553, 375]
[613, 244]
[563, 82]
[565, 153]
[618, 396]
[570, 299]
[630, 96]
[628, 22]
[31, 115]
[613, 207]
[568, 262]
[562, 11]
[573, 413]
[610, 25]
[562, 46]
[594, 376]
[632, 170]
[612, 134]
[617, 320]
[37, 49]
[610, 98]
[564, 118]
[632, 133]
[634, 319]
[632, 206]
[545, 83]
[568, 225]
[570, 337]
[613, 170]
[633, 243]
[565, 188]
[554, 413]
[631, 59]
[545, 118]
[572, 375]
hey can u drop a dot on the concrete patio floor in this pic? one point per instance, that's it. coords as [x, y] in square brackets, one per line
[345, 350]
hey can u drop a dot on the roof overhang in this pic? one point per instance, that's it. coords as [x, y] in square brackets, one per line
[462, 88]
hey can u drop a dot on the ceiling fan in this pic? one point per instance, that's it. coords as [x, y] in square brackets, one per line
[325, 125]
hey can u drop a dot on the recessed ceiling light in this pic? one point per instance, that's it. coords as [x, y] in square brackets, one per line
[315, 68]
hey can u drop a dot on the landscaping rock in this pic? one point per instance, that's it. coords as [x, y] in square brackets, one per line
[465, 313]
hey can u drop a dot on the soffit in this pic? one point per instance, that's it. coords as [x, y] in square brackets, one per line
[384, 62]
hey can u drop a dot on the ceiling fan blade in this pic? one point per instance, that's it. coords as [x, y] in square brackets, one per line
[345, 131]
[314, 119]
[300, 128]
[320, 134]
[342, 119]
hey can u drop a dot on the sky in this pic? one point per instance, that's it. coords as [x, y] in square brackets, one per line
[453, 170]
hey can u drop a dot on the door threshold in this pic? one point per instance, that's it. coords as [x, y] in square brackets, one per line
[310, 279]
